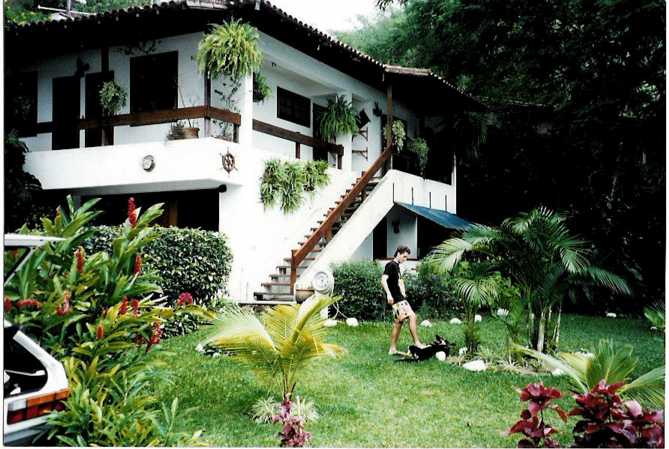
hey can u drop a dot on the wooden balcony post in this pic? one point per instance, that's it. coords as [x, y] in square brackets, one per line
[293, 271]
[207, 103]
[390, 114]
[297, 150]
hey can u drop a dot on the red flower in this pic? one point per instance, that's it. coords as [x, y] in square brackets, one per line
[64, 308]
[156, 333]
[8, 304]
[138, 264]
[132, 212]
[135, 306]
[185, 299]
[79, 254]
[124, 306]
[100, 332]
[29, 303]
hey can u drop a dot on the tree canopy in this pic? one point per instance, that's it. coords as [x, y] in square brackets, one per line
[578, 93]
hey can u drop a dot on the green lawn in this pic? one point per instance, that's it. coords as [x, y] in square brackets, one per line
[367, 400]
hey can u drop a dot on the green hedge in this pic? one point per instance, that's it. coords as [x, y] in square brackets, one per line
[359, 285]
[186, 260]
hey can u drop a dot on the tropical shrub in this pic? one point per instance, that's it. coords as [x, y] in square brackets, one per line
[655, 315]
[292, 433]
[432, 292]
[610, 363]
[359, 286]
[279, 344]
[531, 424]
[285, 182]
[94, 312]
[339, 118]
[540, 256]
[606, 421]
[183, 260]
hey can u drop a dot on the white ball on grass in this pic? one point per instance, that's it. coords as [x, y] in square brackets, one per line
[353, 322]
[441, 356]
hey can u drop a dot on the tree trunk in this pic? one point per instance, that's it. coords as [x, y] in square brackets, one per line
[556, 335]
[541, 333]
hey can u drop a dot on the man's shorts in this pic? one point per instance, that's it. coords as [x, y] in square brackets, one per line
[402, 310]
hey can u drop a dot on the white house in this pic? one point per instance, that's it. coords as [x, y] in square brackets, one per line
[56, 70]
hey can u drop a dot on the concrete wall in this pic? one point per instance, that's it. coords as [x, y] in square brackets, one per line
[407, 224]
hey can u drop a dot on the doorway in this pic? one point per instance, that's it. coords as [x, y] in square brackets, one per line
[66, 108]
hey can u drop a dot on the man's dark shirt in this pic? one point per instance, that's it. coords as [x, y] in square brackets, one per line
[392, 270]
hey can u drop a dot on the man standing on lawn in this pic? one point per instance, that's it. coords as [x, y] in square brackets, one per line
[396, 294]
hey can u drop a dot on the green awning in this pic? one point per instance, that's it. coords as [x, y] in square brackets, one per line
[441, 217]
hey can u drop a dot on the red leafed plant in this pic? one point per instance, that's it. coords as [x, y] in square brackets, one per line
[532, 423]
[292, 434]
[137, 269]
[80, 255]
[185, 298]
[607, 421]
[132, 212]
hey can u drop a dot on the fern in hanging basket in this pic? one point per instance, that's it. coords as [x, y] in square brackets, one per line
[338, 118]
[271, 182]
[315, 175]
[261, 90]
[230, 49]
[399, 134]
[419, 147]
[112, 97]
[292, 188]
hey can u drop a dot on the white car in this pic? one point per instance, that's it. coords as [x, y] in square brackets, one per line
[35, 383]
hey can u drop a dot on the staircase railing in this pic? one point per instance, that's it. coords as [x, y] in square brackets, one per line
[325, 229]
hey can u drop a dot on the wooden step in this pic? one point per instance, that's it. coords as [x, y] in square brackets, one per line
[278, 284]
[266, 302]
[288, 259]
[274, 296]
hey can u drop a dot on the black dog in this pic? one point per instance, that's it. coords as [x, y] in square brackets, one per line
[417, 354]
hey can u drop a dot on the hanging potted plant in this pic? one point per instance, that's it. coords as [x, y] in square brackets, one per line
[179, 130]
[419, 147]
[261, 90]
[112, 98]
[338, 118]
[399, 134]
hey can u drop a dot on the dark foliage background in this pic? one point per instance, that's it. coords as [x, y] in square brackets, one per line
[577, 95]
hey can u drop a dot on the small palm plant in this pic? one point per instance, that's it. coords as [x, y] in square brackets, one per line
[541, 257]
[610, 363]
[281, 343]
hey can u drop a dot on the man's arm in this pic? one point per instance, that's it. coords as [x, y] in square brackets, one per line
[384, 283]
[402, 290]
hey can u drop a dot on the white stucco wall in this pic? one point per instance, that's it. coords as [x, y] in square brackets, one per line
[408, 230]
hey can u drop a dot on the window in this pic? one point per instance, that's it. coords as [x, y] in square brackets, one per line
[153, 82]
[293, 107]
[21, 103]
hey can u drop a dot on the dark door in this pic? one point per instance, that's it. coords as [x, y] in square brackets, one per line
[66, 98]
[94, 82]
[320, 153]
[380, 240]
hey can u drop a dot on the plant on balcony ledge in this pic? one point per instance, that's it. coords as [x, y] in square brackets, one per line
[339, 118]
[179, 131]
[286, 182]
[419, 147]
[112, 98]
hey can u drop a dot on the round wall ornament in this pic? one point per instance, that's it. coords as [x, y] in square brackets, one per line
[148, 163]
[228, 161]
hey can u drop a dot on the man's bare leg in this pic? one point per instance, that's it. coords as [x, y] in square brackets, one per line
[394, 336]
[414, 330]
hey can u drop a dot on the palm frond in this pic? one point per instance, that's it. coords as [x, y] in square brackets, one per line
[446, 255]
[648, 388]
[611, 363]
[575, 373]
[609, 280]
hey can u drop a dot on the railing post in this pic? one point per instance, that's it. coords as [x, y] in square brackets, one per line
[297, 150]
[293, 272]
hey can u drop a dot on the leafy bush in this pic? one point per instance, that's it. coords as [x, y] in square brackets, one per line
[359, 285]
[606, 421]
[93, 313]
[432, 292]
[184, 260]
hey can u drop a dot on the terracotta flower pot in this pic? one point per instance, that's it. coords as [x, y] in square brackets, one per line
[191, 133]
[302, 294]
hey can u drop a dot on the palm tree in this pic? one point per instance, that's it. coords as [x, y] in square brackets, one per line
[538, 253]
[610, 363]
[281, 342]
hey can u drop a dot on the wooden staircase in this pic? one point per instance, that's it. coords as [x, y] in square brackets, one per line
[282, 283]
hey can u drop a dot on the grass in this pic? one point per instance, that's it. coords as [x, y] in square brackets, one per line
[367, 400]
